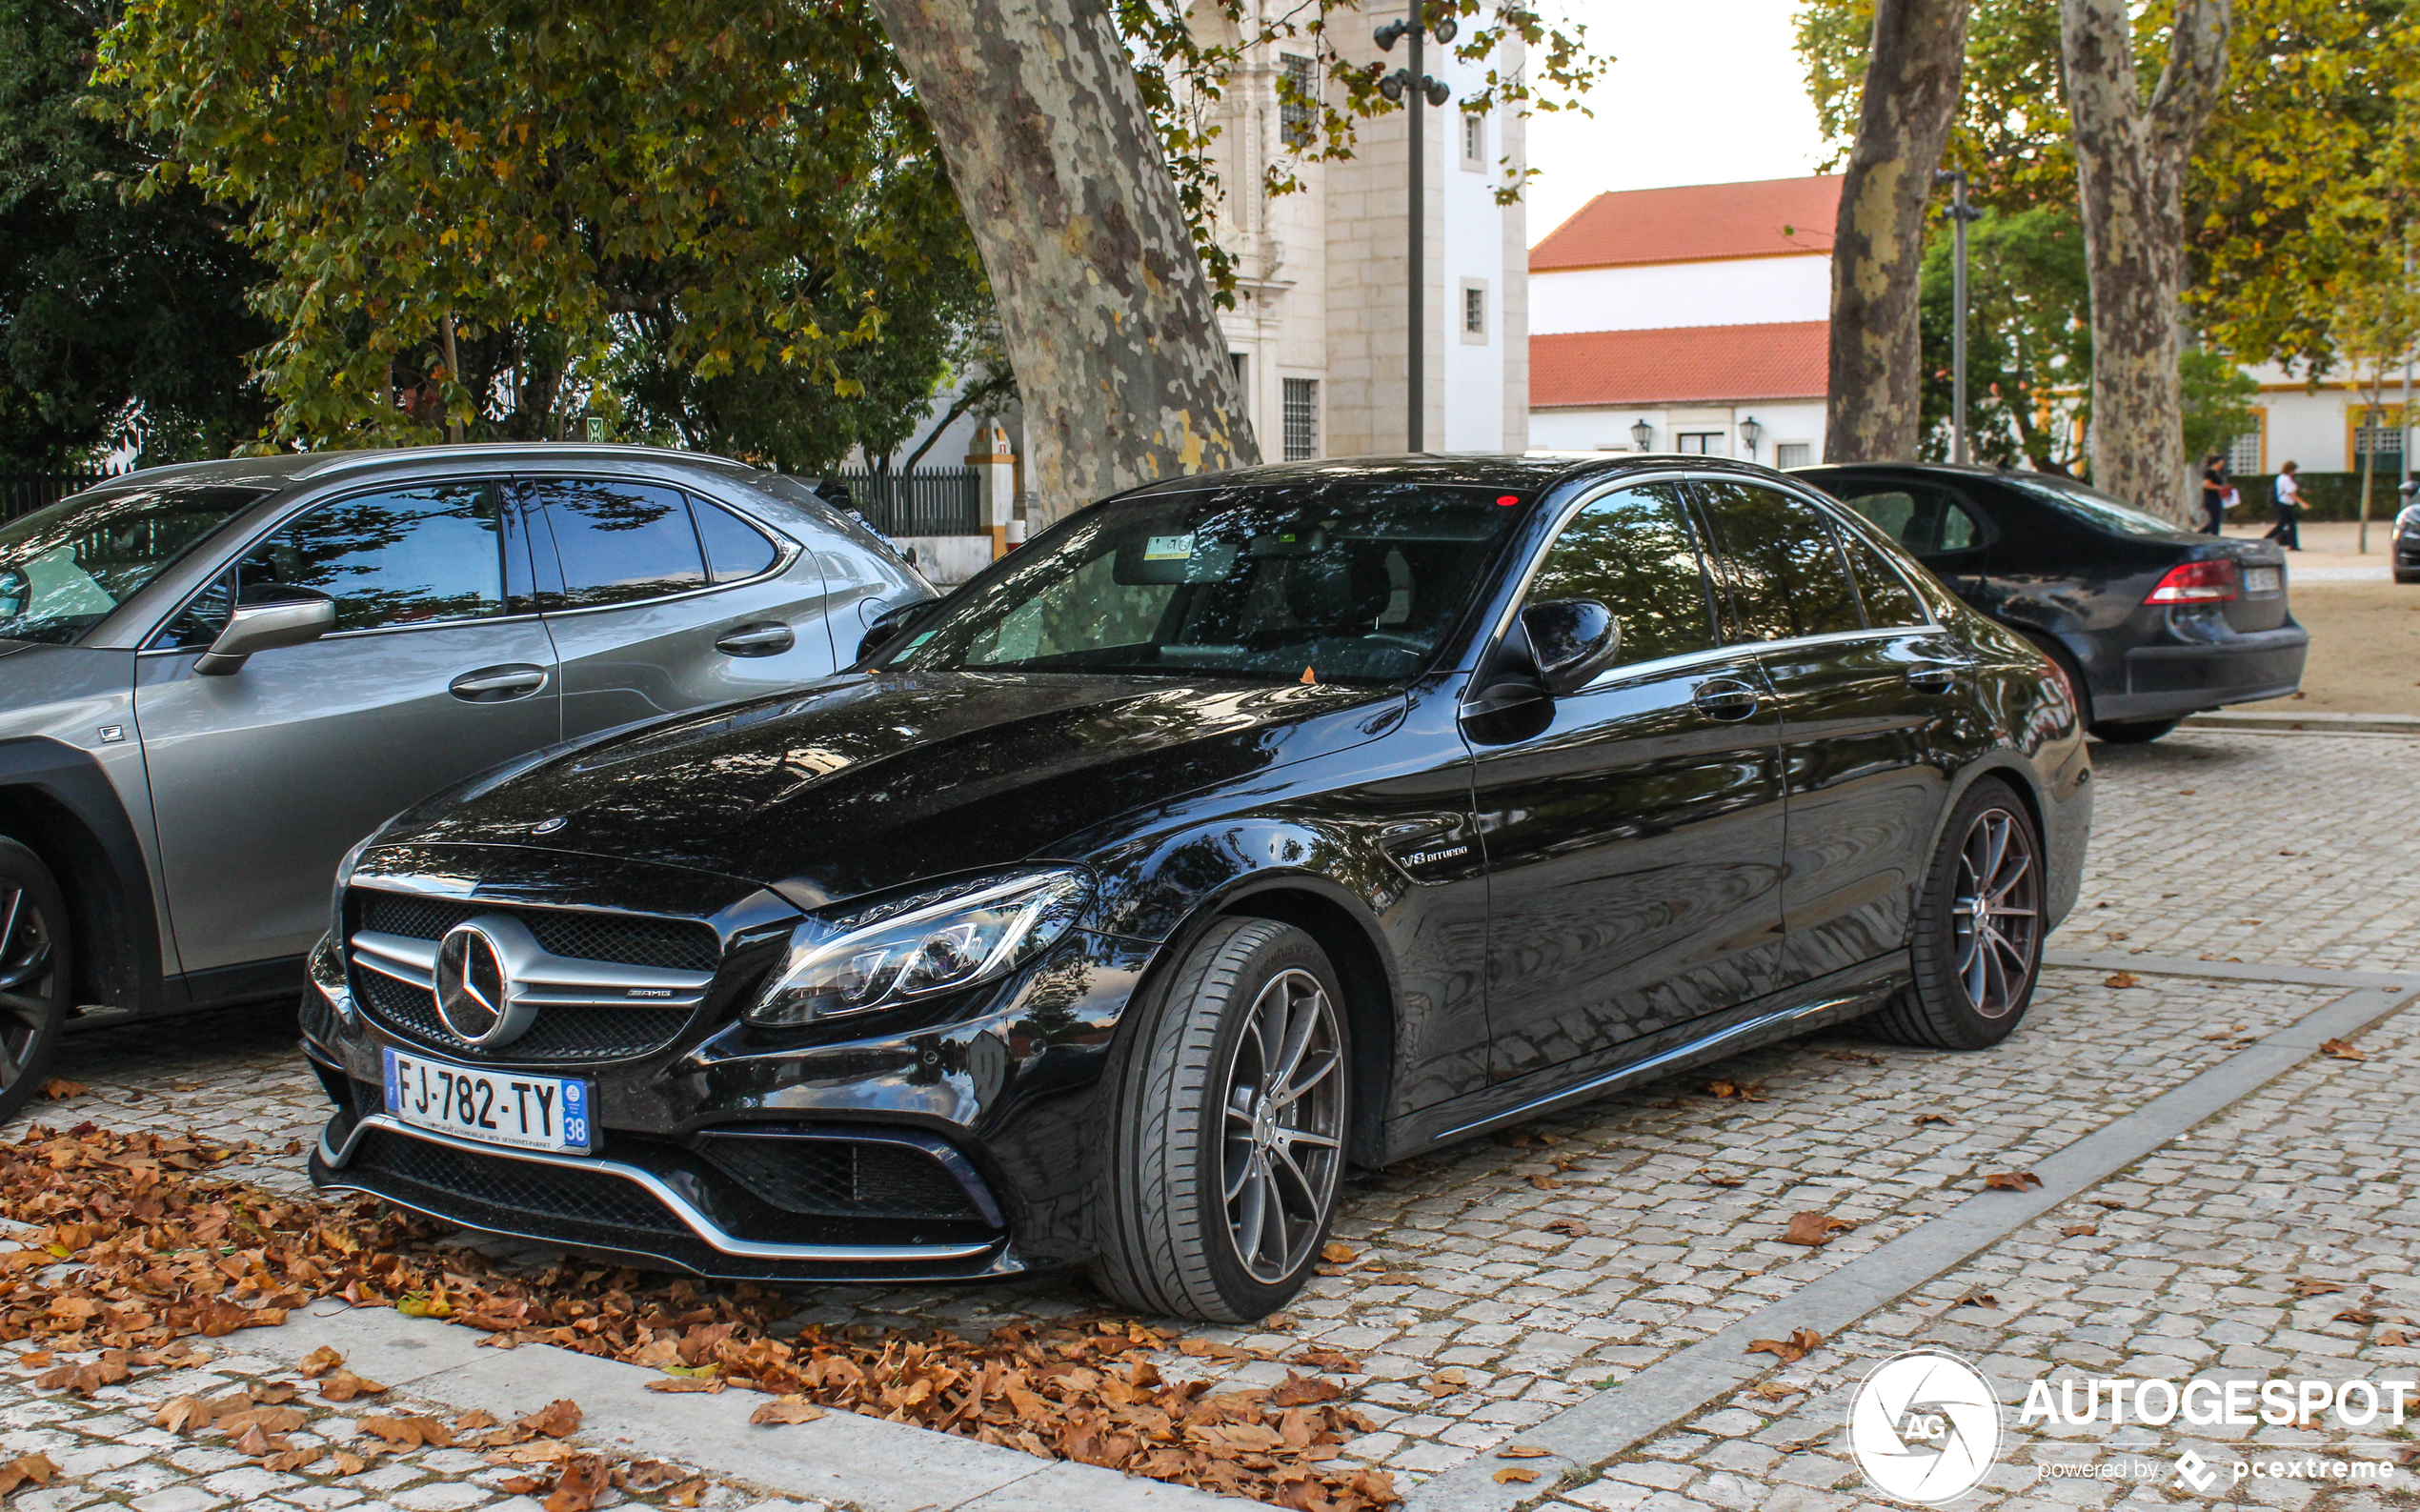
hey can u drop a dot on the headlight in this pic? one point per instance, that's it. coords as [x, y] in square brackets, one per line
[936, 940]
[336, 898]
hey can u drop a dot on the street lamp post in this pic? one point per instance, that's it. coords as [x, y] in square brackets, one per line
[1749, 431]
[1642, 433]
[1960, 213]
[1412, 81]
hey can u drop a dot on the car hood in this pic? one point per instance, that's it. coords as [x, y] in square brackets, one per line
[863, 783]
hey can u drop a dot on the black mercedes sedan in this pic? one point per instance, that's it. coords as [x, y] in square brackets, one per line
[1236, 829]
[2148, 621]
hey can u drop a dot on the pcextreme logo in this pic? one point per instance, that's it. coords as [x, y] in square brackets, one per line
[1924, 1427]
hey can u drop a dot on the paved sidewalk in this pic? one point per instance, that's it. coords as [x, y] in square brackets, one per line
[1502, 1283]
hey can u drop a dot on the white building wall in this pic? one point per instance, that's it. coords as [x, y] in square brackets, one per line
[1780, 423]
[1732, 292]
[1473, 257]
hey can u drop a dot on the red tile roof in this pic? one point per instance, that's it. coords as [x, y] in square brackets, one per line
[1773, 217]
[1679, 365]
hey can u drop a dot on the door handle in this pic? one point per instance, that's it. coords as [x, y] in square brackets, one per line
[498, 684]
[768, 640]
[1722, 698]
[1933, 678]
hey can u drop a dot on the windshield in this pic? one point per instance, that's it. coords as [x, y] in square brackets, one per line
[2082, 503]
[1308, 583]
[63, 569]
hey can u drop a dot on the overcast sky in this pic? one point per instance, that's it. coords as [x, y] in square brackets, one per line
[1702, 91]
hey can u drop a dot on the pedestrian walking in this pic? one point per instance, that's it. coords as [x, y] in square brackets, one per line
[2288, 530]
[2215, 489]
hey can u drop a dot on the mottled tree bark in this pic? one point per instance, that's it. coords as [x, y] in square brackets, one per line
[1104, 308]
[1911, 95]
[2130, 159]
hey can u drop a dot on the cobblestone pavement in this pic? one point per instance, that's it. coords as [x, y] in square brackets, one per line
[1499, 1282]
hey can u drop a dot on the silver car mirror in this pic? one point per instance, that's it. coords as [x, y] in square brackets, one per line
[265, 627]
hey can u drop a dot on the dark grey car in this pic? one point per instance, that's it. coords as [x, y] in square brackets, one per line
[215, 677]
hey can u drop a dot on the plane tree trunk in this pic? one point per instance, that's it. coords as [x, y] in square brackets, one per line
[1912, 73]
[1104, 308]
[2130, 159]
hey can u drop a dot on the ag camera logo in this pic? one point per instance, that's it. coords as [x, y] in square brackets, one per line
[1925, 1426]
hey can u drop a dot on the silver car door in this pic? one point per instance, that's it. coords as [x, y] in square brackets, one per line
[663, 600]
[261, 779]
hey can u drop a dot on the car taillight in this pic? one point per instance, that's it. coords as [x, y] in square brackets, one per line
[2196, 583]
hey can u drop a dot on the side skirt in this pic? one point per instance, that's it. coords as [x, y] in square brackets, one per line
[1834, 999]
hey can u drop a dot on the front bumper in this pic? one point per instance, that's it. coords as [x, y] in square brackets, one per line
[959, 1152]
[2169, 681]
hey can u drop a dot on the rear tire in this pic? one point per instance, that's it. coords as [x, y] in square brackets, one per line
[34, 975]
[1977, 947]
[2133, 732]
[1228, 1136]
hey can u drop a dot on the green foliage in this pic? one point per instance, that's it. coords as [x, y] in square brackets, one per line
[120, 323]
[2028, 338]
[476, 212]
[2218, 402]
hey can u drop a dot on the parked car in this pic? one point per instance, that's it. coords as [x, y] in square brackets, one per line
[2407, 544]
[2150, 621]
[215, 677]
[1235, 827]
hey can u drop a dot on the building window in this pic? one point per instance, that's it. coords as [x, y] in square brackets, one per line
[1793, 454]
[1302, 419]
[2242, 453]
[1475, 142]
[1702, 443]
[1474, 312]
[1298, 117]
[2383, 441]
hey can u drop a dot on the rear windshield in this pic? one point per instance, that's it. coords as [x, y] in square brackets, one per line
[2094, 509]
[64, 569]
[1323, 583]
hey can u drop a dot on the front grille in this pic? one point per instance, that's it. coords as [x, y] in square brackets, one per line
[841, 1177]
[559, 1033]
[568, 1034]
[624, 939]
[518, 1186]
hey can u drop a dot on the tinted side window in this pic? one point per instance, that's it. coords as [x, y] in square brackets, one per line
[1924, 519]
[735, 549]
[1787, 574]
[1632, 552]
[620, 541]
[1888, 599]
[396, 558]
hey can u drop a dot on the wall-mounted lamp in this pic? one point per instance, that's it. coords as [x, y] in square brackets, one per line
[1749, 431]
[1641, 434]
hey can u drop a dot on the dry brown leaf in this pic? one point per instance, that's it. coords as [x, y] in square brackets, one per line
[320, 1362]
[786, 1409]
[2011, 1180]
[1791, 1350]
[1572, 1227]
[1523, 1451]
[1515, 1475]
[252, 1444]
[578, 1485]
[472, 1421]
[1923, 1118]
[2356, 1314]
[2079, 1231]
[36, 1467]
[519, 1484]
[1336, 1252]
[58, 1089]
[1716, 1179]
[1280, 1323]
[1975, 1297]
[2343, 1049]
[687, 1493]
[1319, 1357]
[557, 1420]
[2309, 1286]
[271, 1392]
[2393, 1337]
[1743, 1091]
[1543, 1183]
[2124, 978]
[349, 1463]
[670, 1384]
[1813, 1230]
[1776, 1391]
[286, 1461]
[345, 1386]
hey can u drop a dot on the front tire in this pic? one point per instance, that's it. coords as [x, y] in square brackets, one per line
[2132, 732]
[1227, 1148]
[1977, 950]
[33, 974]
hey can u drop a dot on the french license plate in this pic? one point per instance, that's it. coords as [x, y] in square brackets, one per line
[493, 1107]
[2260, 579]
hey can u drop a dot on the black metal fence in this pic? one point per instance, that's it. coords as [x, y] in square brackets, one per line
[939, 501]
[24, 492]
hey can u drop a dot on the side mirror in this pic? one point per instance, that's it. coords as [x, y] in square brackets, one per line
[1573, 639]
[297, 616]
[892, 623]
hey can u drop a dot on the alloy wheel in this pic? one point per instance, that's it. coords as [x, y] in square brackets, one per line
[28, 968]
[1997, 913]
[1284, 1127]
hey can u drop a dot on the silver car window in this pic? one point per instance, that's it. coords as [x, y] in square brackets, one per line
[62, 568]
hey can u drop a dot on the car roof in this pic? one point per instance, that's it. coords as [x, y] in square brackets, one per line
[276, 470]
[1524, 471]
[1973, 470]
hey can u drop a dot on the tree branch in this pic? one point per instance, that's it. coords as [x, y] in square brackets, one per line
[2188, 87]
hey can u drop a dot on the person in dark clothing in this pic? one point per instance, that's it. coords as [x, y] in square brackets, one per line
[2214, 488]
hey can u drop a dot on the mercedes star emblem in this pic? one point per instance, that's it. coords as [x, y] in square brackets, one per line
[473, 989]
